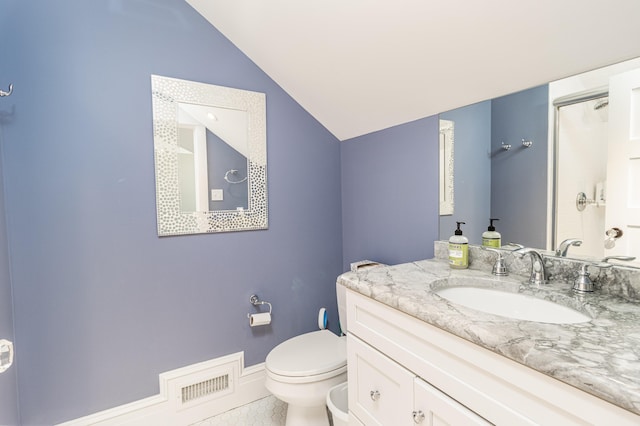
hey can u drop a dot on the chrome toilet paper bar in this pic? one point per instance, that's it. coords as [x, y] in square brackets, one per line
[255, 301]
[262, 318]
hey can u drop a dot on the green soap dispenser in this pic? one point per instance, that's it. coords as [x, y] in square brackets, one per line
[458, 249]
[491, 237]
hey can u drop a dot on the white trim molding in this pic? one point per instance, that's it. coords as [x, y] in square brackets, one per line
[189, 394]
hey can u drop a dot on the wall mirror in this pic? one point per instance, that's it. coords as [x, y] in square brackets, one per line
[554, 162]
[210, 157]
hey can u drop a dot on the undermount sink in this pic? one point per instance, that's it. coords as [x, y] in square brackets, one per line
[512, 305]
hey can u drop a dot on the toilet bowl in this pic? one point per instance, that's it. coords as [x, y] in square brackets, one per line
[338, 403]
[301, 371]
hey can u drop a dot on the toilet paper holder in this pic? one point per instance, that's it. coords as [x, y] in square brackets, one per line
[255, 301]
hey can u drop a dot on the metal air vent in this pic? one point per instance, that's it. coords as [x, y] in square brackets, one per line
[205, 388]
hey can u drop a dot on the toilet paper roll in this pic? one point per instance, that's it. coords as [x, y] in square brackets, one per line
[322, 319]
[263, 318]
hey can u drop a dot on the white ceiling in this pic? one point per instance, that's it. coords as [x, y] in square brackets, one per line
[359, 66]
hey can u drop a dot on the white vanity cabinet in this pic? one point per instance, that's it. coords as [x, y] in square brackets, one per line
[399, 365]
[382, 392]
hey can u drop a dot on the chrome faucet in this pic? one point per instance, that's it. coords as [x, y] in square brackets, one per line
[563, 248]
[538, 270]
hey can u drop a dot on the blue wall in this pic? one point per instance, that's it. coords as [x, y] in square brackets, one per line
[471, 172]
[8, 379]
[390, 194]
[8, 383]
[101, 304]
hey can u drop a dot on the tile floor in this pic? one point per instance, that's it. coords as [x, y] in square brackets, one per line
[269, 411]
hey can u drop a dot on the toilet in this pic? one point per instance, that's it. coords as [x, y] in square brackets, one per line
[302, 370]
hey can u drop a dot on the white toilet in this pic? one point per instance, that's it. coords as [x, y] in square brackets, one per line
[301, 370]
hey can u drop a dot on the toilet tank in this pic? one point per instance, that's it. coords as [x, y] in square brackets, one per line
[341, 297]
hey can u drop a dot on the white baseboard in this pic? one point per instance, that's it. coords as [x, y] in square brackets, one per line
[188, 395]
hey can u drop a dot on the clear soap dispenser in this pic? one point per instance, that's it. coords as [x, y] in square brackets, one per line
[458, 249]
[491, 237]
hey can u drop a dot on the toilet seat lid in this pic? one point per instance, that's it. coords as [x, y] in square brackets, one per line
[308, 354]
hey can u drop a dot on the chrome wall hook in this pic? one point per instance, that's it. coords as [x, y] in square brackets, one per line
[3, 93]
[505, 146]
[526, 143]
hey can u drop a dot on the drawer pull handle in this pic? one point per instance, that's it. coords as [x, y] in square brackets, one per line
[418, 416]
[375, 395]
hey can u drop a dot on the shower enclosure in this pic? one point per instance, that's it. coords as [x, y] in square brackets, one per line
[581, 171]
[596, 162]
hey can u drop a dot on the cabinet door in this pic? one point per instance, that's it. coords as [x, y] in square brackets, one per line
[380, 391]
[435, 408]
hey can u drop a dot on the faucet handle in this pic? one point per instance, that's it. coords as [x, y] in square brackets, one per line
[499, 268]
[624, 258]
[516, 245]
[583, 283]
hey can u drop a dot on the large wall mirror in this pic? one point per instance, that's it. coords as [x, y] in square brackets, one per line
[555, 162]
[210, 157]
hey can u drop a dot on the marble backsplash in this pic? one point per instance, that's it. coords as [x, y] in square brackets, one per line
[618, 280]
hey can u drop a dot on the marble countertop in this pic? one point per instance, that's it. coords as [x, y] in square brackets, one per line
[601, 357]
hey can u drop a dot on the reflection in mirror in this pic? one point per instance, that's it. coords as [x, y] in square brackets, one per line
[583, 183]
[597, 161]
[581, 155]
[471, 171]
[212, 158]
[210, 152]
[446, 167]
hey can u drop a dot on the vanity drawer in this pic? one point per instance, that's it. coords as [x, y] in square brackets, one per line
[380, 390]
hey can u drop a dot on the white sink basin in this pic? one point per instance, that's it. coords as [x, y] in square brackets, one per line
[512, 305]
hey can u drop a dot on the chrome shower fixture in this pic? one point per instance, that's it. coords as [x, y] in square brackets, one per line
[602, 103]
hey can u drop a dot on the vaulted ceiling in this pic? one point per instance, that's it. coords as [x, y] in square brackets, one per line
[359, 66]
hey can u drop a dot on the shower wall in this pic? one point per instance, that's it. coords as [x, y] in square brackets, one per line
[582, 163]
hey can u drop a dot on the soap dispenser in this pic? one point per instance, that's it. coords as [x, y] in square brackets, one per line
[491, 237]
[458, 249]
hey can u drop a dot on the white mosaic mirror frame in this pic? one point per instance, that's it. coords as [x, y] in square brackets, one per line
[166, 94]
[446, 167]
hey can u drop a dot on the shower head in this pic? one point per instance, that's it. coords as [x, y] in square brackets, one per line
[604, 102]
